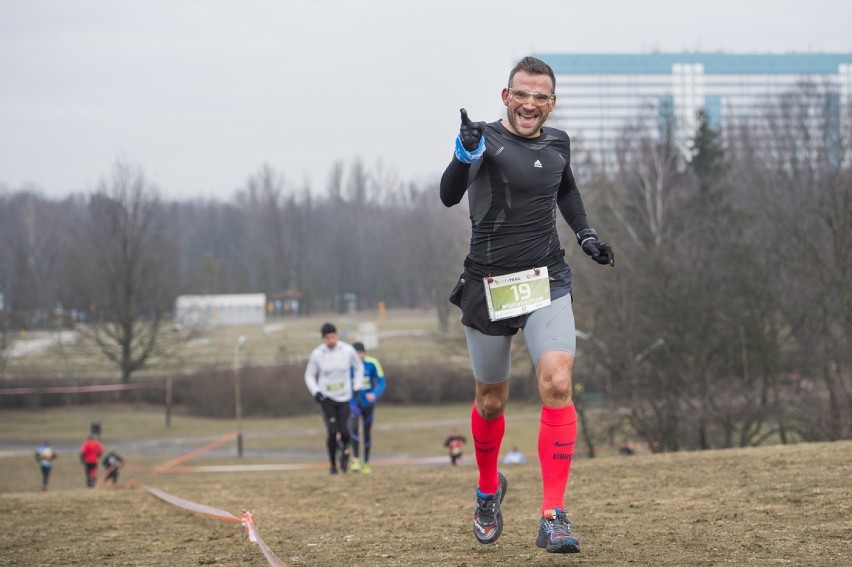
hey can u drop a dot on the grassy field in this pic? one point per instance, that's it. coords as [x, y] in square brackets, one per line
[779, 505]
[405, 336]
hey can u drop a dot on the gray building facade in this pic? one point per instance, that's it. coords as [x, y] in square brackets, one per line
[601, 97]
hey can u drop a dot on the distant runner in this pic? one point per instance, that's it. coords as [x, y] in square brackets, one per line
[334, 371]
[362, 408]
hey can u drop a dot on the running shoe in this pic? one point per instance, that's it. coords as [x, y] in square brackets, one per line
[344, 462]
[367, 469]
[355, 465]
[488, 520]
[555, 535]
[332, 470]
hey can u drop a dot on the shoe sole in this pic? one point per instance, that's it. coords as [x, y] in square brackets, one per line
[543, 541]
[504, 485]
[561, 548]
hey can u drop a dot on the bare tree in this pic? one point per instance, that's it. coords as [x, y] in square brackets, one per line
[802, 183]
[665, 333]
[30, 231]
[273, 244]
[628, 314]
[431, 244]
[133, 265]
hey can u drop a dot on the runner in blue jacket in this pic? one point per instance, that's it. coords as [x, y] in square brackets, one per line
[361, 408]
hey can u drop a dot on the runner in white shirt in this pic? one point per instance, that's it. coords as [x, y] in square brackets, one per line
[333, 373]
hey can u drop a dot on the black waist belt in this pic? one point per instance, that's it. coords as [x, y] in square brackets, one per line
[476, 268]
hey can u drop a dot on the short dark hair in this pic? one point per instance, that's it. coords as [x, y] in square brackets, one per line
[327, 328]
[534, 66]
[359, 346]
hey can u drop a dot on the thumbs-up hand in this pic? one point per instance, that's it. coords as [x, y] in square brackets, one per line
[470, 132]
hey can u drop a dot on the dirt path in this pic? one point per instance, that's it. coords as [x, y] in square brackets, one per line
[780, 505]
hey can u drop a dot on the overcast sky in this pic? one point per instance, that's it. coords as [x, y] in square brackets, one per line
[200, 94]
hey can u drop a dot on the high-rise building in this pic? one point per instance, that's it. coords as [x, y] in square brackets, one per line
[602, 97]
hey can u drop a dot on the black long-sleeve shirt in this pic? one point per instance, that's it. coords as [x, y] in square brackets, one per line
[513, 193]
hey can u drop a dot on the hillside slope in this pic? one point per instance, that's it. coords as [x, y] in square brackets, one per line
[779, 505]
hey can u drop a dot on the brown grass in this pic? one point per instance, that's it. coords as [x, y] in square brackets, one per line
[779, 505]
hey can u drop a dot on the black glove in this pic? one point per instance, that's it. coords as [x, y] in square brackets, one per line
[319, 397]
[470, 132]
[601, 252]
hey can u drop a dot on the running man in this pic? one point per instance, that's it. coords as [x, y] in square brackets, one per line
[517, 173]
[362, 408]
[334, 371]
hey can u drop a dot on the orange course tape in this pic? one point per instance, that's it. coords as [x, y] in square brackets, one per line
[247, 521]
[192, 506]
[271, 558]
[166, 466]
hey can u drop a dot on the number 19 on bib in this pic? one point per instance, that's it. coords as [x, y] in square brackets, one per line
[516, 294]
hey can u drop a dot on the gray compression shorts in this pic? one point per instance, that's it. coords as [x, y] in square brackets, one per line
[549, 328]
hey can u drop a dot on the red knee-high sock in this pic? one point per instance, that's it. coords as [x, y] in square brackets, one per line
[556, 437]
[487, 436]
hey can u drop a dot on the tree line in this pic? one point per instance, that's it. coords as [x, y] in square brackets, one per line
[726, 321]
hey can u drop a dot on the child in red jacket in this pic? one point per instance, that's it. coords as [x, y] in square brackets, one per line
[90, 452]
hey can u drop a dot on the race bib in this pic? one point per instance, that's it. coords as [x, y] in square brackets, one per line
[516, 294]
